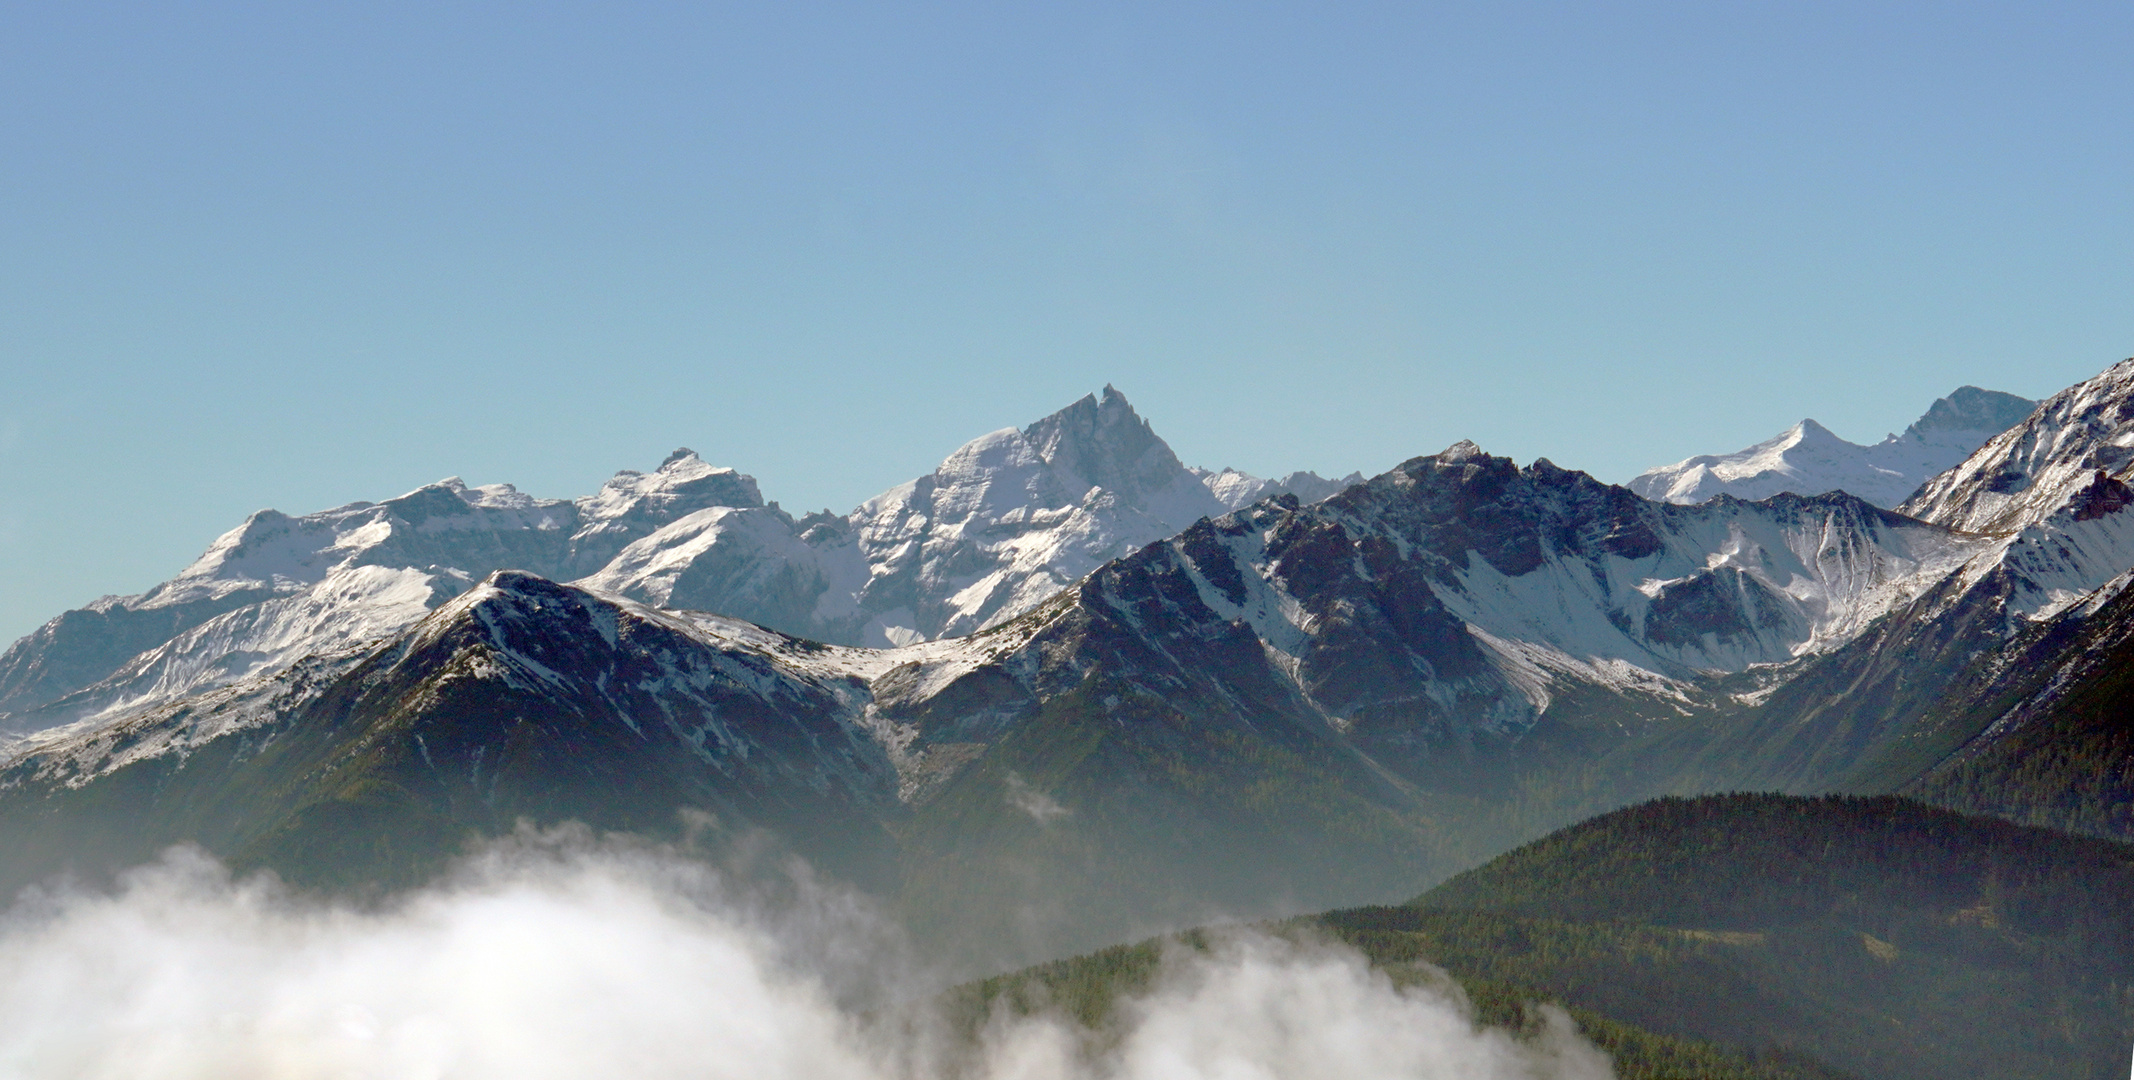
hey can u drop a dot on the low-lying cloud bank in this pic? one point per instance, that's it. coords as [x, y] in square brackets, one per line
[558, 957]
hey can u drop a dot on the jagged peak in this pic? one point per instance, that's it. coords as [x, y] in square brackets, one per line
[1549, 470]
[1549, 474]
[1104, 443]
[1460, 451]
[1970, 408]
[453, 495]
[1089, 412]
[441, 494]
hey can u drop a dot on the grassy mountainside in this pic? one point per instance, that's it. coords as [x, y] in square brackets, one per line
[1760, 935]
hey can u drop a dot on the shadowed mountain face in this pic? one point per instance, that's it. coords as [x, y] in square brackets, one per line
[2050, 720]
[1970, 409]
[524, 699]
[519, 699]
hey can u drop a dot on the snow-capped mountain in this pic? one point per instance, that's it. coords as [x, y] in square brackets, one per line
[2050, 542]
[277, 588]
[1807, 459]
[1282, 705]
[1004, 523]
[1461, 577]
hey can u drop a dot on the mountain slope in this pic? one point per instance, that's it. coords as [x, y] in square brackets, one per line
[2035, 468]
[1283, 707]
[1456, 622]
[1807, 459]
[524, 699]
[1097, 990]
[2055, 728]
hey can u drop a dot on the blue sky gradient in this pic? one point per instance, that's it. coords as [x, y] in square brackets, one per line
[294, 255]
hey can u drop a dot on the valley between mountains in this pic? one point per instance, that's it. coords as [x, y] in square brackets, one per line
[1067, 691]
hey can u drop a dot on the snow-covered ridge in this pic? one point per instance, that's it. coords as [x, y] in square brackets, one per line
[2034, 469]
[75, 753]
[1807, 459]
[1550, 570]
[2052, 493]
[1739, 585]
[277, 588]
[511, 610]
[1550, 576]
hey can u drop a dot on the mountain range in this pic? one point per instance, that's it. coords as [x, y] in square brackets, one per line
[1807, 459]
[1006, 521]
[1065, 689]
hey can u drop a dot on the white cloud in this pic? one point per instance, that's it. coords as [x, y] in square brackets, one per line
[555, 957]
[1042, 807]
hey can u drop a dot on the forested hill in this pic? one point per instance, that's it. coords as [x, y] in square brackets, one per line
[1877, 936]
[1741, 862]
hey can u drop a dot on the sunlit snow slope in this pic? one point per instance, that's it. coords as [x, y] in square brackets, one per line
[1807, 459]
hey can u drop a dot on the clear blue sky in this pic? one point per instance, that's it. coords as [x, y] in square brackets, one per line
[293, 255]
